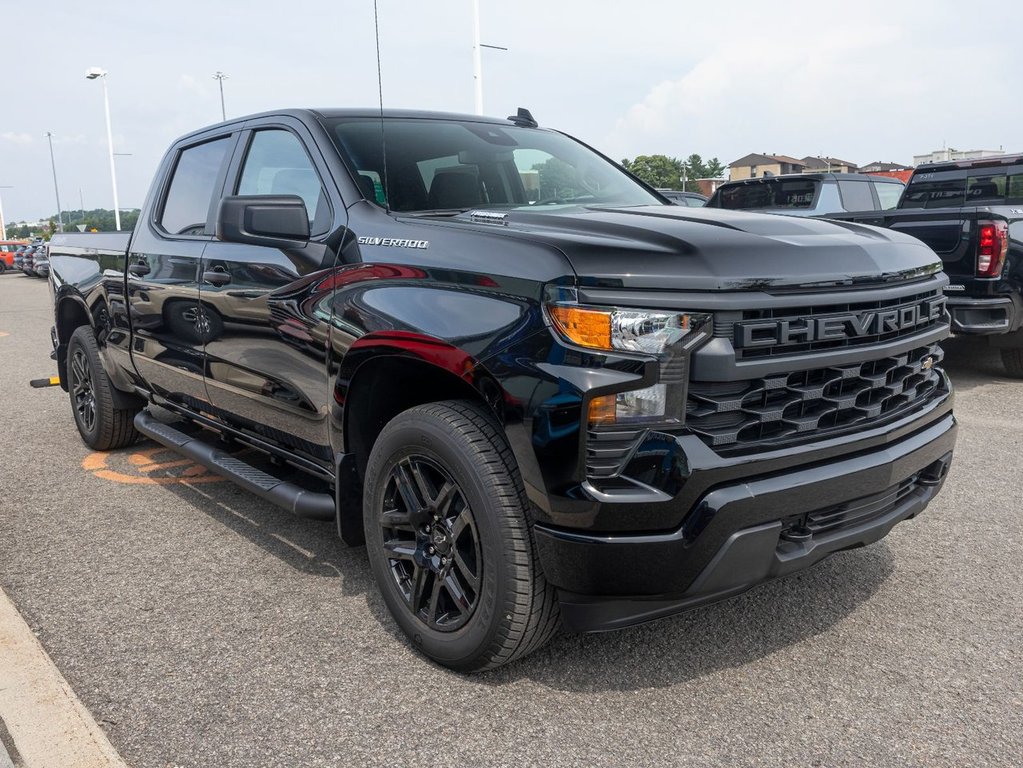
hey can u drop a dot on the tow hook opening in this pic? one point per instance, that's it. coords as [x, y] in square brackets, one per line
[936, 472]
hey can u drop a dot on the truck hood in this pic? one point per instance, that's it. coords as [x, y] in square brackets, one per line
[669, 247]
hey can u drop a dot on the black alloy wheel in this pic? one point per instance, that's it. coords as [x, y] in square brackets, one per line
[431, 543]
[83, 394]
[450, 539]
[94, 401]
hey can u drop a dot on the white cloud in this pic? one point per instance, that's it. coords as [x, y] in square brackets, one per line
[17, 138]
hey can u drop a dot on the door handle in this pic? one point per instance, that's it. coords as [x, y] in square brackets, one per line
[216, 277]
[139, 269]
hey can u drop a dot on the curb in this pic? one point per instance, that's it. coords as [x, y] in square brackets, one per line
[42, 722]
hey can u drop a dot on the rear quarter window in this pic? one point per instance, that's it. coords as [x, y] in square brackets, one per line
[855, 195]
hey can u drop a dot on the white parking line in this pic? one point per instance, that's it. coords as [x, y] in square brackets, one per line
[47, 723]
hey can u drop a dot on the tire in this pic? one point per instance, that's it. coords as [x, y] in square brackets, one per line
[102, 426]
[1012, 359]
[450, 541]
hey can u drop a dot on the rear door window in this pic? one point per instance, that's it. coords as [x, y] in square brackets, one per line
[186, 208]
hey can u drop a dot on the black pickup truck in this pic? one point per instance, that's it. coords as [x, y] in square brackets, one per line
[541, 395]
[970, 212]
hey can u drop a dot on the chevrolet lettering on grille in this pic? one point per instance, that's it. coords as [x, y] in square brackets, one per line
[838, 327]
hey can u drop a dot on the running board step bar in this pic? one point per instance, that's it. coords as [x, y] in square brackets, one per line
[317, 506]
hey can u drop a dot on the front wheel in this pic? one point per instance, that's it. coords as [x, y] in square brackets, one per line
[449, 538]
[101, 425]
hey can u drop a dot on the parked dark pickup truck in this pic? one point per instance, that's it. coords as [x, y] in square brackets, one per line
[971, 213]
[539, 393]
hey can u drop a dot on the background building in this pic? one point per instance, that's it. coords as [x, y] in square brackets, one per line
[948, 155]
[828, 165]
[754, 166]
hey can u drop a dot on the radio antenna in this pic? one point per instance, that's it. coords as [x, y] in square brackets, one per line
[380, 101]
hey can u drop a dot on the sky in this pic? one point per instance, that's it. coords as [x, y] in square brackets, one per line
[860, 81]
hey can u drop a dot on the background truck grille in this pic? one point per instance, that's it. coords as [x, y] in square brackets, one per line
[810, 404]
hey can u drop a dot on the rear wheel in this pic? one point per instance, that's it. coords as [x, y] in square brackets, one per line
[101, 425]
[450, 541]
[1012, 359]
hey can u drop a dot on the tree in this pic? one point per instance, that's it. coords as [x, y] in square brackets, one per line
[695, 169]
[658, 171]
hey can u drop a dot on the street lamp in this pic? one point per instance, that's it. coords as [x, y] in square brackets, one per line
[221, 77]
[91, 74]
[56, 190]
[3, 223]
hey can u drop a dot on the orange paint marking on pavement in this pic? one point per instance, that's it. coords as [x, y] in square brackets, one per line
[4, 333]
[145, 464]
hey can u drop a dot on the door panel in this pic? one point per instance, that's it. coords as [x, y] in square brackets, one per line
[266, 348]
[168, 324]
[266, 353]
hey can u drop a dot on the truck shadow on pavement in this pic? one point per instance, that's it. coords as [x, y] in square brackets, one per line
[726, 635]
[763, 621]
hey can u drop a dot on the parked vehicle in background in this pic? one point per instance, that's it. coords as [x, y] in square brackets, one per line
[41, 262]
[8, 248]
[28, 258]
[809, 194]
[19, 256]
[590, 406]
[970, 212]
[690, 199]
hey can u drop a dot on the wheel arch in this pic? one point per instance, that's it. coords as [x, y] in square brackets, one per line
[382, 377]
[70, 314]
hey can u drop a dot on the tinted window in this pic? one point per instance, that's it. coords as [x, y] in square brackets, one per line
[855, 195]
[448, 165]
[783, 193]
[277, 164]
[888, 194]
[940, 189]
[985, 190]
[191, 188]
[1015, 189]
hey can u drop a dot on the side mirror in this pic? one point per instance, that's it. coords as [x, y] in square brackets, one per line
[273, 221]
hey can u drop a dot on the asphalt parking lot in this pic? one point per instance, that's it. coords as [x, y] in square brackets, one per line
[203, 627]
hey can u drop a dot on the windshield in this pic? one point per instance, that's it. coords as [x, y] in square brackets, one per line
[769, 193]
[448, 165]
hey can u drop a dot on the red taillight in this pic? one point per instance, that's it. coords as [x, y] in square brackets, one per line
[993, 246]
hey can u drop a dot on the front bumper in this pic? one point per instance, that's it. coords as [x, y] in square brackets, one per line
[745, 532]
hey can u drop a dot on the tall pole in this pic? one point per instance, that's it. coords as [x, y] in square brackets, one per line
[221, 77]
[56, 189]
[477, 59]
[110, 147]
[3, 222]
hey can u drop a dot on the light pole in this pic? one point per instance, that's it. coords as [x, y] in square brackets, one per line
[220, 77]
[477, 58]
[91, 74]
[56, 189]
[3, 223]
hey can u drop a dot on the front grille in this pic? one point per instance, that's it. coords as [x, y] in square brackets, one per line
[810, 404]
[727, 324]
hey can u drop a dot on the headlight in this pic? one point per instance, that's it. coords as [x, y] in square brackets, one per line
[667, 335]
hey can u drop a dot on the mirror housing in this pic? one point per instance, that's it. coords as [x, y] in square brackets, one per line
[273, 221]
